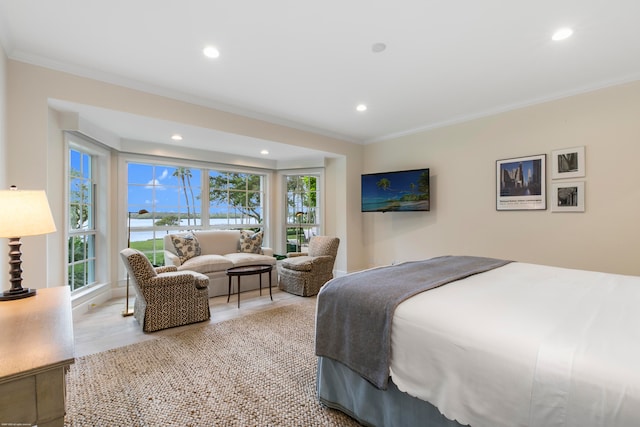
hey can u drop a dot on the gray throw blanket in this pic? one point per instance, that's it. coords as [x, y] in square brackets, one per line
[354, 312]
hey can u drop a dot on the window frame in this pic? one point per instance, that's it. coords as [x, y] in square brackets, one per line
[97, 234]
[302, 239]
[247, 191]
[205, 221]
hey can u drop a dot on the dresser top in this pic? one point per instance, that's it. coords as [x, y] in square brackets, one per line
[36, 333]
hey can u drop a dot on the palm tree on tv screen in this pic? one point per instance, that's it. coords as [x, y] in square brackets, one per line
[384, 184]
[423, 183]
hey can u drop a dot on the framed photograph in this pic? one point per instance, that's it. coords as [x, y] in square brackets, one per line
[521, 183]
[567, 163]
[567, 196]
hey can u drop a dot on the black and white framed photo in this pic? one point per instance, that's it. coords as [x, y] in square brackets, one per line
[567, 196]
[567, 163]
[521, 183]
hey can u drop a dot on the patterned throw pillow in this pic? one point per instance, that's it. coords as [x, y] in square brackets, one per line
[251, 242]
[186, 245]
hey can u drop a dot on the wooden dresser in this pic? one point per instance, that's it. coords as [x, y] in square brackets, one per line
[36, 350]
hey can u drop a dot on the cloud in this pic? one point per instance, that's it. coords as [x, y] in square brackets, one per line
[154, 183]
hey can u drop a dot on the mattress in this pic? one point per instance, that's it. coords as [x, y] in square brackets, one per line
[524, 345]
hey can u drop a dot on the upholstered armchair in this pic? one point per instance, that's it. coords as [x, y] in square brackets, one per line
[304, 273]
[165, 297]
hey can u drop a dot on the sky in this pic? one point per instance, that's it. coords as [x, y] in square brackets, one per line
[156, 189]
[527, 168]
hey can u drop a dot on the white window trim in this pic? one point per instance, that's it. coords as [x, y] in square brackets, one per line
[125, 158]
[282, 222]
[100, 167]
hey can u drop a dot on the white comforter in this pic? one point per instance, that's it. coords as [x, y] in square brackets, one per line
[524, 345]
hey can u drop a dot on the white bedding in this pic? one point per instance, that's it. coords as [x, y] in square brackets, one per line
[524, 345]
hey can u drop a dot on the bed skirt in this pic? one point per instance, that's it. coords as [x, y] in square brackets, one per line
[341, 388]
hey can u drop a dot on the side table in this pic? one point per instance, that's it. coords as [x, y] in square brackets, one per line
[249, 270]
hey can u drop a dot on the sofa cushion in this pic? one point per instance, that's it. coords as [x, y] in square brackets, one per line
[218, 242]
[240, 259]
[207, 264]
[298, 263]
[186, 245]
[251, 242]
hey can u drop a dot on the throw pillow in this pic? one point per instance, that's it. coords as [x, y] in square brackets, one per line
[251, 242]
[186, 245]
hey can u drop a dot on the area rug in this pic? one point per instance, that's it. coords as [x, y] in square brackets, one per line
[258, 370]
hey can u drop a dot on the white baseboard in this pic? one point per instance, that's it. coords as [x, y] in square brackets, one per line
[83, 302]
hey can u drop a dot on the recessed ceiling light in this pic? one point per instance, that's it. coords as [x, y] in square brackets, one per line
[176, 137]
[378, 47]
[361, 107]
[562, 34]
[211, 52]
[264, 152]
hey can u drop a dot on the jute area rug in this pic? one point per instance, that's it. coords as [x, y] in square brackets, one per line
[259, 370]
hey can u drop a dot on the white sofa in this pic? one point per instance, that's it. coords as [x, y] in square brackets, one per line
[220, 250]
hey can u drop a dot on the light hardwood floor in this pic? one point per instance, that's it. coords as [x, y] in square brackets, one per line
[104, 327]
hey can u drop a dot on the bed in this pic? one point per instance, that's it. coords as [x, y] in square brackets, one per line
[515, 345]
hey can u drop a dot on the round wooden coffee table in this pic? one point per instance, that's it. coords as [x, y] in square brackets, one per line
[249, 270]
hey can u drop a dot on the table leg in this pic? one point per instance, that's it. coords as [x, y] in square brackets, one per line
[229, 291]
[270, 296]
[238, 291]
[260, 280]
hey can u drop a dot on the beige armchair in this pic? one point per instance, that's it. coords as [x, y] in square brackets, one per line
[305, 273]
[165, 297]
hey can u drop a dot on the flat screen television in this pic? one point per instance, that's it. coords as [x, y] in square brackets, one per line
[399, 191]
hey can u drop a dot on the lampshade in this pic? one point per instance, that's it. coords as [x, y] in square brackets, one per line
[25, 213]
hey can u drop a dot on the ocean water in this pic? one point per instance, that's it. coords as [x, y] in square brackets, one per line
[142, 235]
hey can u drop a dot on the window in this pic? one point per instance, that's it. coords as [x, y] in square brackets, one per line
[164, 199]
[161, 200]
[87, 222]
[236, 199]
[303, 210]
[81, 239]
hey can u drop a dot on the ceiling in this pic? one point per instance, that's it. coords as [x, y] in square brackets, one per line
[308, 64]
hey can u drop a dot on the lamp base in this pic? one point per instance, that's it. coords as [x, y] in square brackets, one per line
[126, 313]
[17, 294]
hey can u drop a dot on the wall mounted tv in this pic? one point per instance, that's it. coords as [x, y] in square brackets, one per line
[403, 191]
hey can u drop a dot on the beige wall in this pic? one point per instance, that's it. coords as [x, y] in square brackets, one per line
[36, 151]
[463, 218]
[3, 117]
[4, 266]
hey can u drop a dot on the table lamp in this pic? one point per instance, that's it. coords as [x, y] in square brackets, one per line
[22, 213]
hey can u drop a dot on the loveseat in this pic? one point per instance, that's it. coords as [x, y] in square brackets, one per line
[212, 252]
